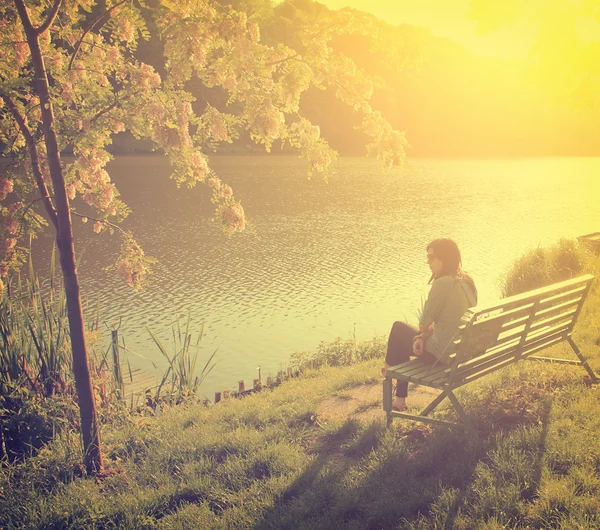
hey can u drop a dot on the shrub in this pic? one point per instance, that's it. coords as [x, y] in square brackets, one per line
[339, 352]
[544, 266]
[29, 420]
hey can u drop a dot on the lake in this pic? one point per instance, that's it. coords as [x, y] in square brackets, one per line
[323, 259]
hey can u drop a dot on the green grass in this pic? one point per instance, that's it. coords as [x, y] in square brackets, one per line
[279, 459]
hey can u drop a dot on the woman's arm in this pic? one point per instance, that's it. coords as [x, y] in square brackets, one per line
[434, 304]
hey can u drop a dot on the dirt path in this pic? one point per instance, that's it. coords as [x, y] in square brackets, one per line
[364, 402]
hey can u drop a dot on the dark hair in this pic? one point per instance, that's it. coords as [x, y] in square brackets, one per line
[446, 250]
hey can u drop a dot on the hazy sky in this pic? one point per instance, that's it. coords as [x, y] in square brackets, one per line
[448, 18]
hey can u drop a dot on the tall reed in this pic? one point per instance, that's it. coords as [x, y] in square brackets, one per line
[180, 381]
[35, 333]
[544, 266]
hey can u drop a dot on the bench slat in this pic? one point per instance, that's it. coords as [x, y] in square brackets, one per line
[515, 319]
[509, 359]
[566, 317]
[505, 317]
[555, 299]
[411, 368]
[408, 367]
[531, 337]
[549, 311]
[498, 357]
[530, 296]
[417, 371]
[514, 334]
[521, 314]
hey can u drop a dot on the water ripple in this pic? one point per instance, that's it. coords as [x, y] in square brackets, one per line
[326, 258]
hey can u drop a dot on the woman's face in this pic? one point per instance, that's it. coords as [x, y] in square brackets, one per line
[435, 264]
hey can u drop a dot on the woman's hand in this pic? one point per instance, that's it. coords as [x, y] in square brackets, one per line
[418, 346]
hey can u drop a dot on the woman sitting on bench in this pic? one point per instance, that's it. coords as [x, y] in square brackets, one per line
[452, 293]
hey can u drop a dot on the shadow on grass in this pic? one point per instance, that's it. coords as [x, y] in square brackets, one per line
[369, 477]
[497, 422]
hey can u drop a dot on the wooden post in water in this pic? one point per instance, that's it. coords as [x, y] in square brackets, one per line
[217, 397]
[241, 387]
[226, 394]
[257, 384]
[117, 364]
[259, 376]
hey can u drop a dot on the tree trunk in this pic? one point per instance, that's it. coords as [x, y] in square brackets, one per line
[64, 239]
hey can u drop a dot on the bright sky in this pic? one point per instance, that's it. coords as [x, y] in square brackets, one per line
[446, 18]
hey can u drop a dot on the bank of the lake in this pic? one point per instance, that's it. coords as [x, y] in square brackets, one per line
[315, 453]
[331, 259]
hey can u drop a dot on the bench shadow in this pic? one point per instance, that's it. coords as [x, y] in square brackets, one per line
[368, 476]
[495, 421]
[317, 499]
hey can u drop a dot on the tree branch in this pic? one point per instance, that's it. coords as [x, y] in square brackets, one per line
[50, 18]
[95, 118]
[103, 221]
[272, 63]
[102, 112]
[90, 28]
[35, 161]
[27, 208]
[12, 43]
[24, 15]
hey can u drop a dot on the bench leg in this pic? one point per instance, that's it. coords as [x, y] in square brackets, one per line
[434, 404]
[390, 415]
[583, 360]
[387, 399]
[461, 413]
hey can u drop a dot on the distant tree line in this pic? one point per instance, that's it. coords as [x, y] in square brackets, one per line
[451, 102]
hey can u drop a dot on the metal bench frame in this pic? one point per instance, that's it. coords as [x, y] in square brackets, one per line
[494, 336]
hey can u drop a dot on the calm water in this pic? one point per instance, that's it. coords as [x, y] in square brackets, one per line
[325, 259]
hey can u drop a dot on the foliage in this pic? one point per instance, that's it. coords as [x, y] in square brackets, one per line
[340, 352]
[544, 266]
[70, 79]
[37, 388]
[35, 340]
[29, 420]
[99, 88]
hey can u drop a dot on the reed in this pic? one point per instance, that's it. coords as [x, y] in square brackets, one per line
[181, 382]
[35, 334]
[36, 378]
[543, 266]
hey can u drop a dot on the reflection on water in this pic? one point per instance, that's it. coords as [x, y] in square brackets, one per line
[325, 259]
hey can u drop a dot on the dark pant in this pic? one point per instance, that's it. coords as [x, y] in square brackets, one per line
[400, 348]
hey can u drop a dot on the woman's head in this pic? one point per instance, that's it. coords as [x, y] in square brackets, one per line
[443, 258]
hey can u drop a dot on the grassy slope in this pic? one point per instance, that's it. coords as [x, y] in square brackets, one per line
[280, 459]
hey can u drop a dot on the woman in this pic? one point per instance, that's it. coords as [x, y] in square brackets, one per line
[452, 293]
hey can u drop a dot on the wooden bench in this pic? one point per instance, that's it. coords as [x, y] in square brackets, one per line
[492, 337]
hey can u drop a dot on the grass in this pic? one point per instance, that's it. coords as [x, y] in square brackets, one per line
[544, 266]
[283, 459]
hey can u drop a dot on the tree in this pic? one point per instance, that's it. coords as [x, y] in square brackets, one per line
[70, 79]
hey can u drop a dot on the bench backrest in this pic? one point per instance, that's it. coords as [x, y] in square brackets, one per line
[518, 326]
